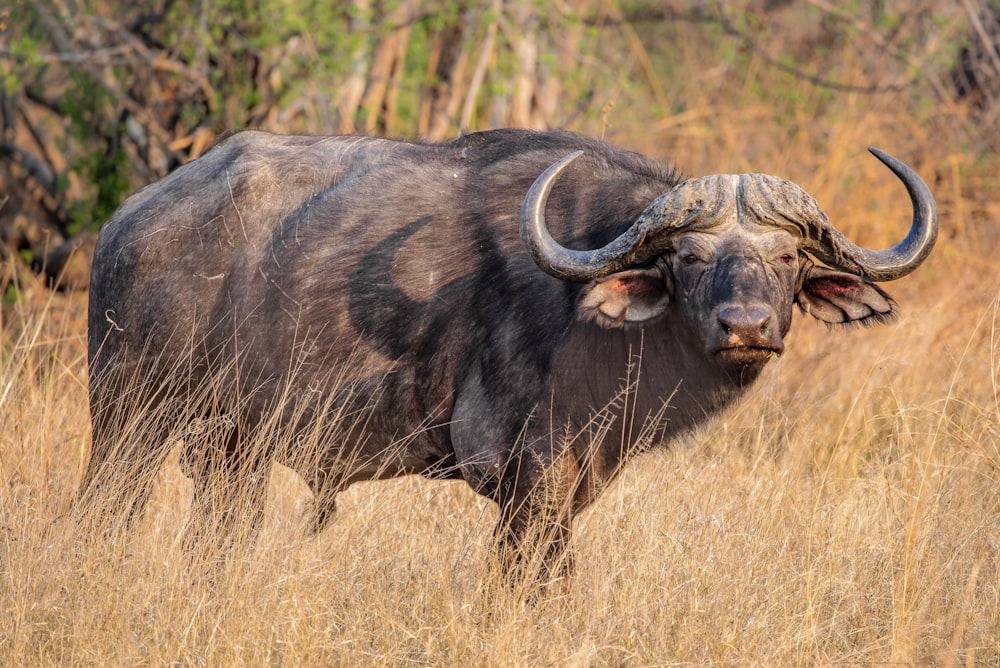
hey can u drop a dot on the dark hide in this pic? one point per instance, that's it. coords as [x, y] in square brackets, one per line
[363, 308]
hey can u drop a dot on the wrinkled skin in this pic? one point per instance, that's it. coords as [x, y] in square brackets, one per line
[367, 305]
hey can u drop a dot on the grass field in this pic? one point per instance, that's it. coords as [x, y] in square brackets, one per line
[848, 512]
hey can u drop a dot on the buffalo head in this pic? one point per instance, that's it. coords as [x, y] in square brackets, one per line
[729, 255]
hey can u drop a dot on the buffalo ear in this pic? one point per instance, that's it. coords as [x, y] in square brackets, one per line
[839, 298]
[635, 295]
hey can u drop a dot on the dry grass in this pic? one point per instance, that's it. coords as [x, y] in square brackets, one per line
[848, 513]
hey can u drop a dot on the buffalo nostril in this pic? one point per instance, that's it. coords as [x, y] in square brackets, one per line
[750, 323]
[762, 318]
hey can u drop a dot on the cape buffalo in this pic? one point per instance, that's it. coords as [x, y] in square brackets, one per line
[521, 310]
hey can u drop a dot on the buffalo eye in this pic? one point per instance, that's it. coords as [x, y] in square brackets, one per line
[690, 258]
[787, 258]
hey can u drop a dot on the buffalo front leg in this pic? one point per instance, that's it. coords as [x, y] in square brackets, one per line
[324, 502]
[536, 515]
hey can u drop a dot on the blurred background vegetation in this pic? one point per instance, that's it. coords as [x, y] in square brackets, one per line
[102, 96]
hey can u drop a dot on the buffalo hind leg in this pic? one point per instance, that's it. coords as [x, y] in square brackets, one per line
[231, 475]
[119, 477]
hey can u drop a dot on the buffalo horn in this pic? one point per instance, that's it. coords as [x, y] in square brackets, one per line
[829, 245]
[691, 204]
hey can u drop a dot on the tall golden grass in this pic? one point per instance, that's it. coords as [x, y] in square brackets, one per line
[848, 512]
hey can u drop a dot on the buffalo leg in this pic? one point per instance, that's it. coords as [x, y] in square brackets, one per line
[536, 514]
[123, 465]
[231, 475]
[324, 508]
[324, 488]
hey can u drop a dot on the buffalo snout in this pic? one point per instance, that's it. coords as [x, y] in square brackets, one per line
[746, 331]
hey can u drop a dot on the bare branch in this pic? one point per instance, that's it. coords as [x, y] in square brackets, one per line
[117, 55]
[815, 79]
[35, 168]
[479, 73]
[989, 47]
